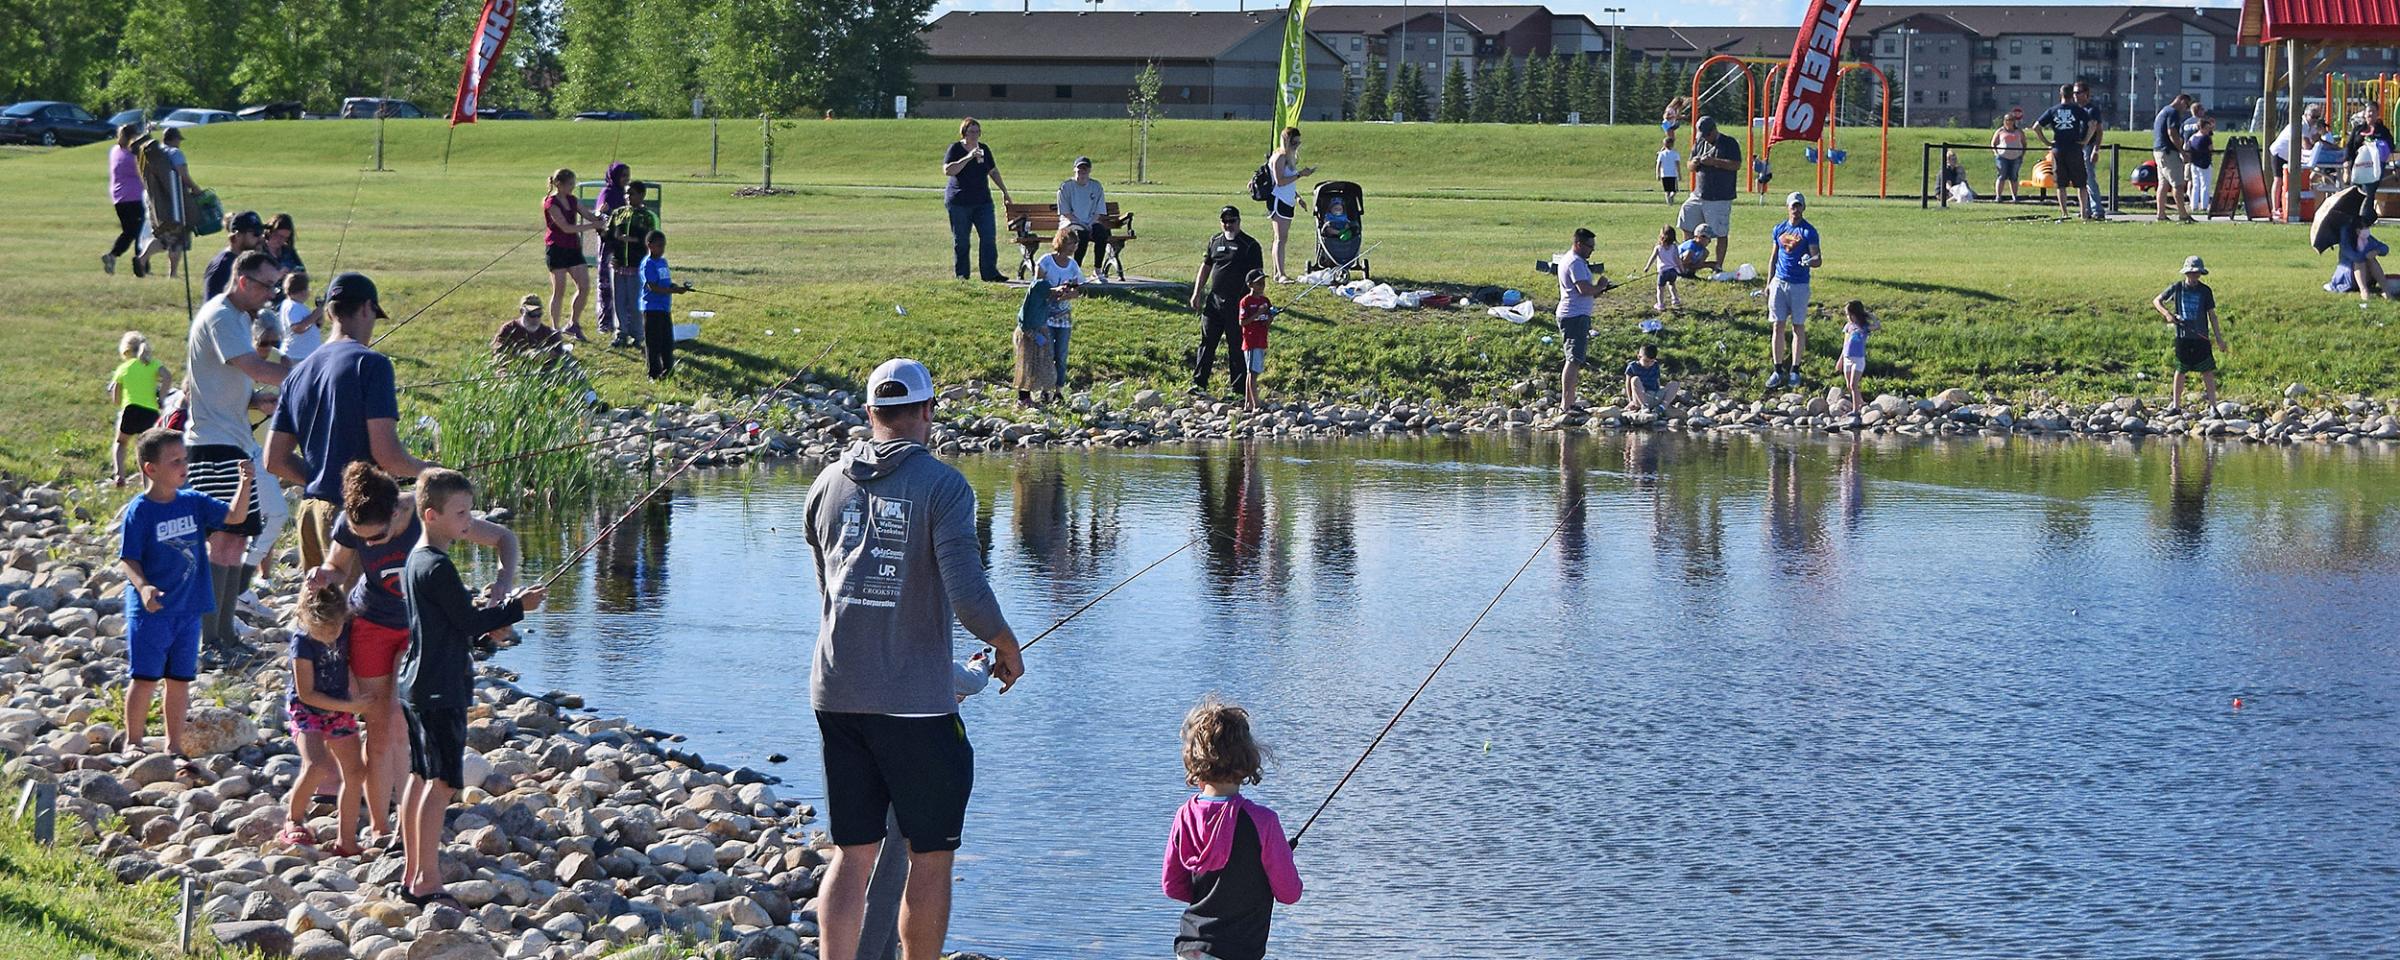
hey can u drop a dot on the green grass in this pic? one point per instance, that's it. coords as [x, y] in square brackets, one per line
[1993, 299]
[59, 903]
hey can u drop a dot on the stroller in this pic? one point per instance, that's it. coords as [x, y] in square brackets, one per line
[1341, 230]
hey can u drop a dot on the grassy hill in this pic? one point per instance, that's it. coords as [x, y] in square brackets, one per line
[1986, 297]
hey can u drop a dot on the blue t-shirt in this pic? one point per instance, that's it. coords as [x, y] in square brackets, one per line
[2165, 129]
[169, 540]
[1788, 267]
[329, 662]
[2192, 303]
[327, 400]
[2065, 121]
[1647, 375]
[1693, 251]
[654, 270]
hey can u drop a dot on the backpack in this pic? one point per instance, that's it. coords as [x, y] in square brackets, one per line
[1262, 184]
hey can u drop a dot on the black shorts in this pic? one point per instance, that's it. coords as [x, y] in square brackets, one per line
[1278, 208]
[216, 471]
[437, 744]
[2195, 355]
[2066, 167]
[1667, 184]
[918, 769]
[133, 420]
[562, 258]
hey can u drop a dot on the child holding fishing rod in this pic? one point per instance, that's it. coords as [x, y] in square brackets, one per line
[1226, 856]
[658, 307]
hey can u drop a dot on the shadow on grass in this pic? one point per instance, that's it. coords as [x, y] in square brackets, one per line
[1920, 286]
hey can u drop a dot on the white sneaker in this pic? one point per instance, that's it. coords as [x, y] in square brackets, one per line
[249, 603]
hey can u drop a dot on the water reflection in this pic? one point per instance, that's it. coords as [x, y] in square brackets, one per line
[632, 559]
[2187, 496]
[1574, 538]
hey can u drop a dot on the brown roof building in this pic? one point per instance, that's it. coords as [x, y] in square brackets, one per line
[1214, 65]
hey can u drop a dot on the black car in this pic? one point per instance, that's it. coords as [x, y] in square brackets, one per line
[51, 124]
[284, 110]
[607, 115]
[359, 108]
[501, 113]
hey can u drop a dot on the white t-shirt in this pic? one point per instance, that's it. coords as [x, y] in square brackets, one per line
[1573, 270]
[297, 346]
[219, 398]
[1670, 163]
[1062, 312]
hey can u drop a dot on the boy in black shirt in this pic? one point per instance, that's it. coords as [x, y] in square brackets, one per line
[437, 679]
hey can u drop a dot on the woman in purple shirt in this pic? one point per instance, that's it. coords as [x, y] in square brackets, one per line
[125, 193]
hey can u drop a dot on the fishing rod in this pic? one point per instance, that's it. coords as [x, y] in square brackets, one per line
[729, 296]
[1429, 675]
[763, 400]
[1088, 604]
[1333, 272]
[395, 328]
[590, 361]
[344, 242]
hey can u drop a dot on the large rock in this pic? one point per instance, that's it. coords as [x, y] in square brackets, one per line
[214, 729]
[97, 786]
[151, 768]
[319, 945]
[452, 945]
[265, 937]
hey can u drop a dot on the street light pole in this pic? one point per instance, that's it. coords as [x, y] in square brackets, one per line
[2133, 65]
[1613, 35]
[1908, 49]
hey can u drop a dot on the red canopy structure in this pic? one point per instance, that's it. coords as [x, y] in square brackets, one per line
[2297, 28]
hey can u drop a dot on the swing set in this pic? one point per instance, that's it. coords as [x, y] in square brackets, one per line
[2345, 96]
[1826, 154]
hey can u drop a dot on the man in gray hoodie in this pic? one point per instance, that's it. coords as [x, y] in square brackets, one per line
[893, 533]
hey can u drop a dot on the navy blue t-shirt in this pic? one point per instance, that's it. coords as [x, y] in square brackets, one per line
[168, 539]
[328, 662]
[973, 184]
[327, 400]
[1647, 375]
[1716, 183]
[2192, 302]
[2166, 128]
[377, 597]
[2065, 121]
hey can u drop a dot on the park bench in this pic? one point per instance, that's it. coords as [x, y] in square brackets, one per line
[1034, 225]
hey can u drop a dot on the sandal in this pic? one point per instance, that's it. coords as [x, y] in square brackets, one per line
[297, 835]
[351, 849]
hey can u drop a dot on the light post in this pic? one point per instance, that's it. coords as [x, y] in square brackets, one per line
[1908, 48]
[1613, 35]
[2133, 66]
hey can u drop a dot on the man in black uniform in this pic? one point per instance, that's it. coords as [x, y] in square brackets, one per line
[1217, 294]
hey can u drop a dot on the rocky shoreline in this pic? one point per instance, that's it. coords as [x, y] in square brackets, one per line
[816, 422]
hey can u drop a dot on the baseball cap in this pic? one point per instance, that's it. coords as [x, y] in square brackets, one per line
[1255, 276]
[2192, 264]
[1083, 161]
[247, 221]
[1706, 124]
[352, 288]
[1703, 230]
[1795, 199]
[1230, 212]
[900, 381]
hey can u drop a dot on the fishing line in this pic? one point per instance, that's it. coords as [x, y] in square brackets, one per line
[1088, 604]
[763, 400]
[581, 360]
[1429, 675]
[395, 328]
[729, 296]
[344, 242]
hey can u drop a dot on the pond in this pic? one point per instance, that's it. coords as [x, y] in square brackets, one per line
[1761, 696]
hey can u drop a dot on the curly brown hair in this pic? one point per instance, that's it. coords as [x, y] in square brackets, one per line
[369, 495]
[1217, 747]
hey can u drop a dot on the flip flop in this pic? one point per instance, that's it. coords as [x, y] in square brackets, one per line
[297, 835]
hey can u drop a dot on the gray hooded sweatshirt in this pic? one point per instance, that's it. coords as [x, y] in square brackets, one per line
[893, 532]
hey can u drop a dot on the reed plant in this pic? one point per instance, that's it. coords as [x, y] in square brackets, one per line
[518, 427]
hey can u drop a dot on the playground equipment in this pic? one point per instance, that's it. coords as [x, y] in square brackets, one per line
[2345, 97]
[1826, 154]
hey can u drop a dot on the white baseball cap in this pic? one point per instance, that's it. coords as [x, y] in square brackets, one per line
[898, 382]
[1796, 199]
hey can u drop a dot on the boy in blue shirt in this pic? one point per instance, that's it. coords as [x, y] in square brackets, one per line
[162, 537]
[658, 325]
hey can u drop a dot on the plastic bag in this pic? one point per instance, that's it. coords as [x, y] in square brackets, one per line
[1522, 312]
[1381, 297]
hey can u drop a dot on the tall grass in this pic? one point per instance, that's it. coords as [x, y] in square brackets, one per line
[503, 423]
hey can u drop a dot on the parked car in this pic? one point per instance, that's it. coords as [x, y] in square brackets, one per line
[196, 117]
[286, 110]
[51, 123]
[360, 108]
[502, 113]
[607, 115]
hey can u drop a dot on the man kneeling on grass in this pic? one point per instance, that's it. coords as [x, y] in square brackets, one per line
[438, 678]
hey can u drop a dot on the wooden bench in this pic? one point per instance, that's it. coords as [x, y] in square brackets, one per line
[1035, 225]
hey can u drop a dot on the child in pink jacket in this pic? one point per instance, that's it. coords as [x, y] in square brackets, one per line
[1227, 855]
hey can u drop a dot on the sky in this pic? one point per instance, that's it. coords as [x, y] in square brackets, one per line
[1678, 13]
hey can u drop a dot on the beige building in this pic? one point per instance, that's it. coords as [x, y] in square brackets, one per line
[1215, 65]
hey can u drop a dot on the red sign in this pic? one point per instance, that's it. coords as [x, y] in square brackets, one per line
[1808, 80]
[483, 56]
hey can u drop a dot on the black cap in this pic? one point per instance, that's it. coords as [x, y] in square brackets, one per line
[247, 221]
[1083, 161]
[1230, 212]
[352, 288]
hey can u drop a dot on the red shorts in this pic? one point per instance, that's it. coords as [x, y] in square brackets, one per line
[375, 648]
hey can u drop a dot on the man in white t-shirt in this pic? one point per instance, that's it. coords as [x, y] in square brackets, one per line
[222, 371]
[1576, 287]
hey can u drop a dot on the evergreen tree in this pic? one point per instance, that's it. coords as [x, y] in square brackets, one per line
[1532, 98]
[1455, 108]
[1510, 91]
[1372, 94]
[1482, 93]
[1568, 98]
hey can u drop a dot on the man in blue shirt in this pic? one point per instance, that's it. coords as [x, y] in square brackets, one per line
[658, 324]
[1787, 290]
[2062, 128]
[2166, 148]
[339, 406]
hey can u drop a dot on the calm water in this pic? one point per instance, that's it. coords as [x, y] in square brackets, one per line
[1762, 697]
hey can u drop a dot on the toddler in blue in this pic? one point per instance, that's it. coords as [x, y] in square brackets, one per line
[163, 538]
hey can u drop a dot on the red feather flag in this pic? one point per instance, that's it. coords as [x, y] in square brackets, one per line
[483, 56]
